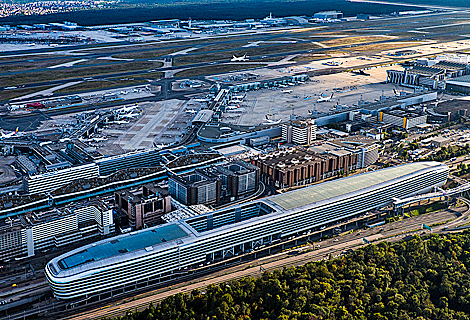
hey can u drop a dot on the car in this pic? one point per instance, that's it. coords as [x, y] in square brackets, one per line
[336, 240]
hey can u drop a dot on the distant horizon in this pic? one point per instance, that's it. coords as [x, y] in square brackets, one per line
[218, 10]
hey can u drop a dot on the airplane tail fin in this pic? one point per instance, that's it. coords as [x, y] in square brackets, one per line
[16, 131]
[332, 95]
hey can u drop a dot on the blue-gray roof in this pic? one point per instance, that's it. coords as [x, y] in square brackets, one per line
[128, 243]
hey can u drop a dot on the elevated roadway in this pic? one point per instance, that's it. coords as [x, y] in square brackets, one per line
[398, 204]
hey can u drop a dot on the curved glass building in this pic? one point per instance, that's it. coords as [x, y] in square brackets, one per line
[155, 254]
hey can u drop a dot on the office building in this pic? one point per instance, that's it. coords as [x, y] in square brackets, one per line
[301, 132]
[196, 187]
[38, 231]
[239, 179]
[366, 149]
[145, 206]
[295, 167]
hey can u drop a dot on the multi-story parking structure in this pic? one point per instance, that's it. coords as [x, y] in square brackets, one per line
[49, 181]
[136, 159]
[156, 254]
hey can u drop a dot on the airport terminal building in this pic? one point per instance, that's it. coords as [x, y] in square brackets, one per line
[155, 254]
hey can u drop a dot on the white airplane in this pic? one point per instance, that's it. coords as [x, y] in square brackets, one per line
[282, 86]
[232, 107]
[65, 140]
[120, 122]
[191, 111]
[286, 91]
[325, 99]
[159, 146]
[268, 121]
[201, 100]
[8, 135]
[243, 58]
[127, 109]
[236, 101]
[129, 115]
[239, 97]
[98, 139]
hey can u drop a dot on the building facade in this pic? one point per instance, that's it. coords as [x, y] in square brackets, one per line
[402, 119]
[301, 132]
[30, 233]
[294, 167]
[145, 206]
[197, 187]
[239, 179]
[49, 181]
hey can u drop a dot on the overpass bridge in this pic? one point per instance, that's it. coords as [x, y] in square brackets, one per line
[399, 204]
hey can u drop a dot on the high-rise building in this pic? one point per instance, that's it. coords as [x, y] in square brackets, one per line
[144, 207]
[239, 179]
[197, 187]
[301, 132]
[36, 231]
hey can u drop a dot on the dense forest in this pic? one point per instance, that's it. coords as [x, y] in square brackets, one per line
[416, 279]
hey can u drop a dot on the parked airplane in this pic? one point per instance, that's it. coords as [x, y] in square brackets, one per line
[361, 73]
[159, 146]
[8, 135]
[129, 115]
[286, 91]
[97, 139]
[127, 109]
[268, 121]
[120, 122]
[243, 58]
[191, 111]
[232, 107]
[325, 99]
